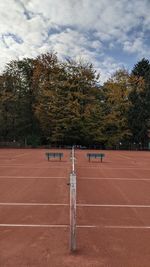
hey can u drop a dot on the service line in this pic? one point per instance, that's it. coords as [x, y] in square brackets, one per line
[32, 177]
[78, 205]
[78, 226]
[114, 205]
[111, 178]
[45, 225]
[101, 167]
[27, 166]
[127, 226]
[32, 204]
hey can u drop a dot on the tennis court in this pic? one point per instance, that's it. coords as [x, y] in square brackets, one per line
[34, 211]
[114, 199]
[113, 209]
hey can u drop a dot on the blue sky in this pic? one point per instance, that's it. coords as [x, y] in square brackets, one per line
[111, 34]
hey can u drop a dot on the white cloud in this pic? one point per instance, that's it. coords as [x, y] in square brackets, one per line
[107, 67]
[74, 28]
[137, 46]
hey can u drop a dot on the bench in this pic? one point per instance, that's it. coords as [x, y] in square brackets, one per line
[96, 155]
[50, 155]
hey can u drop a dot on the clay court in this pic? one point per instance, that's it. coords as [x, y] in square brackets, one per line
[113, 209]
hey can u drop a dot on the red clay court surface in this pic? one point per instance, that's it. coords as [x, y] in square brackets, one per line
[113, 210]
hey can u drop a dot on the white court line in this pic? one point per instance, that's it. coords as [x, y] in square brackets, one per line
[113, 205]
[78, 226]
[78, 205]
[127, 226]
[35, 225]
[123, 179]
[86, 226]
[125, 157]
[32, 204]
[44, 225]
[31, 177]
[14, 156]
[113, 168]
[32, 167]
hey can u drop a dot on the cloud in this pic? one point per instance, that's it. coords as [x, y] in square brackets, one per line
[86, 29]
[136, 46]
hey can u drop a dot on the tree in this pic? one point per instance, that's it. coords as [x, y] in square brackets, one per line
[116, 91]
[7, 108]
[17, 84]
[64, 100]
[139, 112]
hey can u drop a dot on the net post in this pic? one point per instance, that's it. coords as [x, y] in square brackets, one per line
[73, 160]
[73, 205]
[72, 212]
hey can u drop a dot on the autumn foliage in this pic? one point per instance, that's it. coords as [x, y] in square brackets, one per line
[45, 101]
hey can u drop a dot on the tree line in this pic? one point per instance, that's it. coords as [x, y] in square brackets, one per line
[44, 101]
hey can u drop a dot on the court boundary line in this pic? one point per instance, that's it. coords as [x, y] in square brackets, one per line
[35, 225]
[31, 177]
[124, 157]
[111, 178]
[113, 168]
[128, 227]
[82, 178]
[115, 205]
[78, 205]
[27, 166]
[44, 225]
[31, 204]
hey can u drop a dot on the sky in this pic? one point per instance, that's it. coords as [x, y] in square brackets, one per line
[111, 34]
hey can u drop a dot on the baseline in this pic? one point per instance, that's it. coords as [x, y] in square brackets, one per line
[46, 225]
[111, 178]
[78, 226]
[31, 177]
[78, 205]
[31, 204]
[114, 205]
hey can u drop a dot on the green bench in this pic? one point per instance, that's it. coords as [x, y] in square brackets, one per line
[95, 156]
[51, 155]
